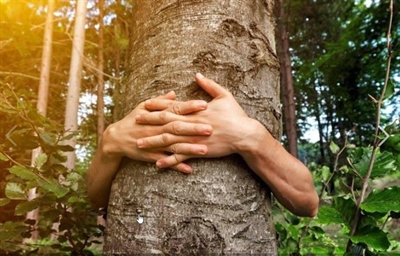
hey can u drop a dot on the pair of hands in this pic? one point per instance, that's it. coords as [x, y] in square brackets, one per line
[169, 132]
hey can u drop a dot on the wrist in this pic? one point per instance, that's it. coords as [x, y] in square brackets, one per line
[107, 145]
[257, 139]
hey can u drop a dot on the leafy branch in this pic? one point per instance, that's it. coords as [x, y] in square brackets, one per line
[377, 129]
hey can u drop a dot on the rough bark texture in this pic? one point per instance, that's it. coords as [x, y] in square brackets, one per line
[289, 106]
[222, 207]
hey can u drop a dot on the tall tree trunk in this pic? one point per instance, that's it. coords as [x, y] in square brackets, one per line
[289, 106]
[222, 207]
[74, 81]
[100, 85]
[100, 70]
[43, 94]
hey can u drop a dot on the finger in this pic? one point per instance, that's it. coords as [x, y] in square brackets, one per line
[187, 149]
[158, 118]
[179, 166]
[185, 128]
[182, 167]
[170, 96]
[171, 160]
[163, 140]
[211, 87]
[177, 107]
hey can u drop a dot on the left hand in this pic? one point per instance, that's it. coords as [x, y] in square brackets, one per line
[231, 125]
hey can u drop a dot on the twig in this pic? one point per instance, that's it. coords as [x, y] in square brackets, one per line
[9, 73]
[376, 139]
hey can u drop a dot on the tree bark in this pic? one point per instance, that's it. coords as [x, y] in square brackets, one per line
[74, 81]
[222, 207]
[43, 95]
[289, 106]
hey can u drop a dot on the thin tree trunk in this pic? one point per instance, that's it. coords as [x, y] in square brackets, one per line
[100, 85]
[222, 207]
[100, 77]
[43, 95]
[289, 106]
[74, 81]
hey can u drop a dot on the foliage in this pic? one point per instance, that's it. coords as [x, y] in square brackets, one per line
[337, 230]
[338, 56]
[355, 218]
[61, 192]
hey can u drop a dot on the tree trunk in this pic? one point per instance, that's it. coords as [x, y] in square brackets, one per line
[289, 106]
[222, 207]
[43, 94]
[100, 85]
[100, 71]
[74, 81]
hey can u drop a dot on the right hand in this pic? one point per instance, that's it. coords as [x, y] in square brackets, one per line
[120, 138]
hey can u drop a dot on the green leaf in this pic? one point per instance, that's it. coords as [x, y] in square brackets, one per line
[65, 148]
[68, 137]
[74, 176]
[334, 148]
[25, 207]
[383, 165]
[3, 157]
[23, 173]
[346, 208]
[389, 90]
[326, 173]
[15, 191]
[53, 186]
[40, 160]
[4, 201]
[383, 201]
[47, 138]
[329, 215]
[373, 237]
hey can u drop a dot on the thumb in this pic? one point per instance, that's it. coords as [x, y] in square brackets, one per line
[169, 96]
[211, 87]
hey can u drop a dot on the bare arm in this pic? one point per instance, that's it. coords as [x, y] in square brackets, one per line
[120, 140]
[235, 132]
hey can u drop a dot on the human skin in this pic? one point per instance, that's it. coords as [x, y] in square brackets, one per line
[235, 132]
[199, 129]
[120, 140]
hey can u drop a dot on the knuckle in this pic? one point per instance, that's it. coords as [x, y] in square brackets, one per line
[174, 148]
[177, 158]
[176, 128]
[177, 108]
[163, 116]
[165, 138]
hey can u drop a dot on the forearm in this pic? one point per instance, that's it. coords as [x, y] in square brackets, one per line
[100, 176]
[290, 181]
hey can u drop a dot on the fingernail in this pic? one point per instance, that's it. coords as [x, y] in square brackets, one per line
[199, 76]
[208, 130]
[202, 104]
[139, 143]
[137, 118]
[159, 164]
[203, 150]
[188, 169]
[147, 102]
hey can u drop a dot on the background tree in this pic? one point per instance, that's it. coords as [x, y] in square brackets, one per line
[75, 74]
[208, 211]
[43, 92]
[288, 95]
